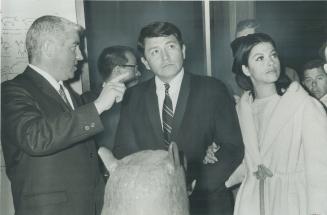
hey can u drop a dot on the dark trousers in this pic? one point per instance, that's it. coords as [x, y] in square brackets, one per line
[217, 203]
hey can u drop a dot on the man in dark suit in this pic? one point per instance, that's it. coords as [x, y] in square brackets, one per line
[194, 111]
[50, 158]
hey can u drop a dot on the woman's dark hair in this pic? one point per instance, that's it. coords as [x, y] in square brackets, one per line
[242, 47]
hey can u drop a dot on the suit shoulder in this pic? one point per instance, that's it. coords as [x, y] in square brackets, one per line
[208, 82]
[19, 81]
[139, 88]
[136, 92]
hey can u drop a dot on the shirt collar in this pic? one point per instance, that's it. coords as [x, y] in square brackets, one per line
[174, 84]
[324, 99]
[47, 76]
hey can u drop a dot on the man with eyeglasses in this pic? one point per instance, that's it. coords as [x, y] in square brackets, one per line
[191, 110]
[116, 61]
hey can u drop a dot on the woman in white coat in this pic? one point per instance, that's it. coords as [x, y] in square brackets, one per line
[285, 135]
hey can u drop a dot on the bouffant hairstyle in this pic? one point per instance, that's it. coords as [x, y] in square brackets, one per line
[242, 47]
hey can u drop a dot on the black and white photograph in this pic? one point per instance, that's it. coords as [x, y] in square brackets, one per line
[163, 107]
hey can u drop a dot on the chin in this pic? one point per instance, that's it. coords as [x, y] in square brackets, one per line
[274, 77]
[318, 95]
[70, 76]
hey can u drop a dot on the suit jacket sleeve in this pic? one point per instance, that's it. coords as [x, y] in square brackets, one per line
[30, 127]
[228, 136]
[125, 142]
[91, 95]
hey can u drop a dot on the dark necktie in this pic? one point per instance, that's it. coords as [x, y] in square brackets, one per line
[167, 116]
[63, 95]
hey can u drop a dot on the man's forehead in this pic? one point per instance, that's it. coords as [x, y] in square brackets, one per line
[245, 32]
[73, 37]
[314, 72]
[152, 41]
[130, 56]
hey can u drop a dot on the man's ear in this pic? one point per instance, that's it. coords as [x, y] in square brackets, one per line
[246, 71]
[183, 51]
[302, 82]
[115, 72]
[48, 48]
[146, 64]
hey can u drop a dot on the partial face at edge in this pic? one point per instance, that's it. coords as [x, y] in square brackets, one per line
[263, 64]
[164, 56]
[325, 65]
[245, 32]
[315, 80]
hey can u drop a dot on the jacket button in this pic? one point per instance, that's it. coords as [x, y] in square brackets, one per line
[87, 127]
[92, 125]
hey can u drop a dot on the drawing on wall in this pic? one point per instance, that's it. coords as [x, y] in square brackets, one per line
[14, 54]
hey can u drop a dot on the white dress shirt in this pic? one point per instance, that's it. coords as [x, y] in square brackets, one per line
[55, 84]
[175, 86]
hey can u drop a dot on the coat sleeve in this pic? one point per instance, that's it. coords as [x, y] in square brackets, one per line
[228, 136]
[32, 130]
[237, 176]
[314, 140]
[125, 142]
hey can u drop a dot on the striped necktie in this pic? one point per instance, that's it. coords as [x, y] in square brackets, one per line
[167, 116]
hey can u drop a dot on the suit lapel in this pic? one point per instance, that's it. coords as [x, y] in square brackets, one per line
[45, 87]
[73, 96]
[151, 103]
[181, 105]
[152, 106]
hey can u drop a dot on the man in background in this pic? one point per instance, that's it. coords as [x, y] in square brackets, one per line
[314, 79]
[51, 159]
[113, 62]
[323, 54]
[193, 111]
[245, 27]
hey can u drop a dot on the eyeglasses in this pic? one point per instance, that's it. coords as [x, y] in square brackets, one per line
[131, 66]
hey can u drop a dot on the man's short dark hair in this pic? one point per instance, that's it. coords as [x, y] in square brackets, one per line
[316, 63]
[158, 29]
[111, 57]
